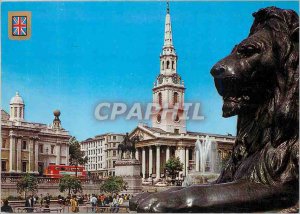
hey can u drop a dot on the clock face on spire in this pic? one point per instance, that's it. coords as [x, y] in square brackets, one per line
[175, 79]
[160, 79]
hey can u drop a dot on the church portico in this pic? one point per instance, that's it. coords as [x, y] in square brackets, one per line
[156, 147]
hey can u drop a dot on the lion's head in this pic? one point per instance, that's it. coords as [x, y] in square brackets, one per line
[259, 82]
[261, 64]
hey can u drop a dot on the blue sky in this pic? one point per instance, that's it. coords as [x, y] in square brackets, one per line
[81, 54]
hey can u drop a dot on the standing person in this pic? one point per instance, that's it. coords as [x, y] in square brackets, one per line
[35, 199]
[74, 204]
[47, 199]
[120, 201]
[29, 204]
[6, 207]
[68, 198]
[41, 200]
[106, 200]
[110, 198]
[98, 200]
[115, 204]
[93, 202]
[102, 197]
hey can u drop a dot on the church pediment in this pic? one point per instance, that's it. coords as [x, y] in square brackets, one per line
[142, 133]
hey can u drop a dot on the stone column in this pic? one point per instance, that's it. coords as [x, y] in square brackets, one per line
[19, 153]
[150, 161]
[36, 155]
[67, 152]
[182, 157]
[137, 154]
[12, 152]
[157, 162]
[186, 160]
[143, 162]
[58, 154]
[197, 161]
[167, 153]
[30, 155]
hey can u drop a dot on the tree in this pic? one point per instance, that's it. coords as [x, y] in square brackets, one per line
[173, 167]
[69, 183]
[114, 184]
[27, 183]
[77, 156]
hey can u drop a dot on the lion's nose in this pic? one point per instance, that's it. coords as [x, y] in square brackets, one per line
[218, 70]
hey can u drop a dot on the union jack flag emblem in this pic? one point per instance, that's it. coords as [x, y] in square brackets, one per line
[19, 25]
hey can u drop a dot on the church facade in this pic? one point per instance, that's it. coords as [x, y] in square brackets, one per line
[168, 135]
[28, 146]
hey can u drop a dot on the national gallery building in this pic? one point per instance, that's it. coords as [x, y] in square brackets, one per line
[168, 136]
[30, 147]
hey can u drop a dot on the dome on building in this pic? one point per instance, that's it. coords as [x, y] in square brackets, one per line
[56, 113]
[17, 99]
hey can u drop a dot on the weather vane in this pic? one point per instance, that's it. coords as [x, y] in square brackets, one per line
[168, 6]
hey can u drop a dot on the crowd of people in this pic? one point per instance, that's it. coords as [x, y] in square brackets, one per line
[114, 201]
[101, 201]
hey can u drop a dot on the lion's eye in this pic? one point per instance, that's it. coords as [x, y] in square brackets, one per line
[248, 50]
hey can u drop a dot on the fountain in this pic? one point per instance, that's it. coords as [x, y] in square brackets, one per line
[207, 162]
[203, 151]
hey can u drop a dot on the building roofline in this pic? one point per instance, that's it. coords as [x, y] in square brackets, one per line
[97, 137]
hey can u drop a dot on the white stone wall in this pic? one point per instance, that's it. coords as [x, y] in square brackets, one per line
[100, 152]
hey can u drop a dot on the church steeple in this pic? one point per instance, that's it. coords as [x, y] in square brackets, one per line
[168, 43]
[168, 57]
[168, 89]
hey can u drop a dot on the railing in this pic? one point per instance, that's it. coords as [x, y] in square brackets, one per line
[38, 209]
[46, 180]
[67, 209]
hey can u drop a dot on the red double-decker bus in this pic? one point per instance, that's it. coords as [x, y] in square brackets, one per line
[57, 171]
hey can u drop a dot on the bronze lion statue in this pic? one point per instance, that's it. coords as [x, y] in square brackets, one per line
[258, 82]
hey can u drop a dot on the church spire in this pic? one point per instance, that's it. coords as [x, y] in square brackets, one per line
[168, 90]
[168, 43]
[168, 58]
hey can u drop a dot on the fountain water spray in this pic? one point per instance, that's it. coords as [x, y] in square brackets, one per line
[203, 150]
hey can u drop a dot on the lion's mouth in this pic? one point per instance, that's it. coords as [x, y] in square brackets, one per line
[233, 105]
[234, 98]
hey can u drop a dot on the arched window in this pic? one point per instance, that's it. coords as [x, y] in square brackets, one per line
[16, 111]
[158, 118]
[176, 119]
[175, 98]
[163, 65]
[172, 64]
[168, 64]
[159, 98]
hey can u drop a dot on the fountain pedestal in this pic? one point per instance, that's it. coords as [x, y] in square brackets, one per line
[195, 178]
[129, 170]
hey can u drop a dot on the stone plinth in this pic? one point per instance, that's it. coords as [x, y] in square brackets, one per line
[129, 170]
